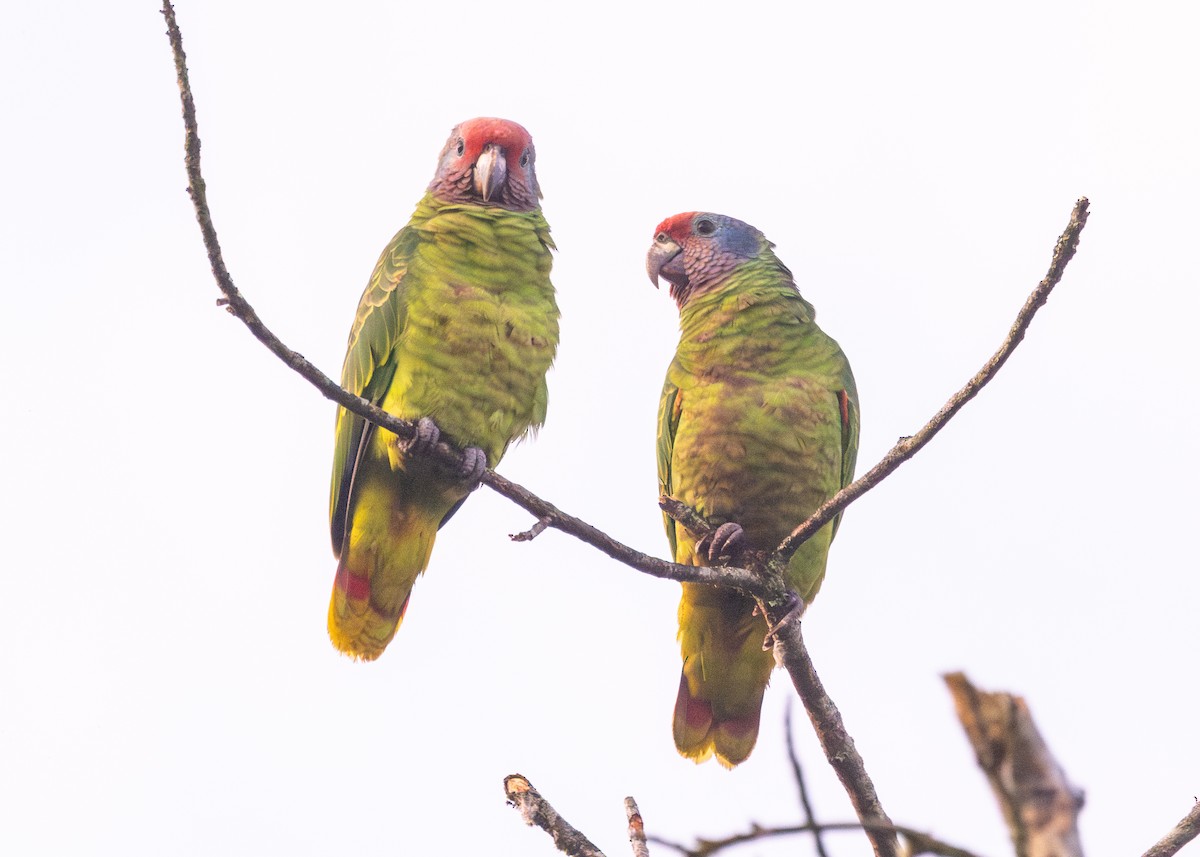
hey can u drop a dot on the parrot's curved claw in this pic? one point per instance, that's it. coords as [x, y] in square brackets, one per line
[426, 438]
[725, 541]
[793, 604]
[472, 466]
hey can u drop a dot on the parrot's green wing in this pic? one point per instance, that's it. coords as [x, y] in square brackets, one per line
[669, 409]
[848, 403]
[369, 368]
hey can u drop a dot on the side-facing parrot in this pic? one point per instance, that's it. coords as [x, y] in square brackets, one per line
[758, 426]
[456, 329]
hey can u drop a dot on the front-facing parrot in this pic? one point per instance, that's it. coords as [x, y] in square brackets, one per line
[758, 426]
[456, 329]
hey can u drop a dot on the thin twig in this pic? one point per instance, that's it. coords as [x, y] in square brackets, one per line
[739, 578]
[918, 842]
[1064, 249]
[1183, 833]
[685, 516]
[637, 830]
[233, 300]
[802, 787]
[839, 747]
[537, 811]
[533, 532]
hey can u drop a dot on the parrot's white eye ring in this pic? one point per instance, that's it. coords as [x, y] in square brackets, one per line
[462, 147]
[705, 227]
[525, 158]
[662, 238]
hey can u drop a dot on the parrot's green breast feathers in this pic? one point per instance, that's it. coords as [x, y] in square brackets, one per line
[458, 323]
[756, 388]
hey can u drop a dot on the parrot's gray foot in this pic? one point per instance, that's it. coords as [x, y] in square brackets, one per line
[725, 541]
[426, 438]
[472, 466]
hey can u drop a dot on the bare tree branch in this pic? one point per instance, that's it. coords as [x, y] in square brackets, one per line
[1183, 833]
[736, 578]
[1064, 249]
[806, 810]
[637, 830]
[537, 811]
[918, 842]
[233, 299]
[241, 308]
[839, 747]
[1038, 804]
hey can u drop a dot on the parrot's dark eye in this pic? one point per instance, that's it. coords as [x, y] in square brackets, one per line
[705, 227]
[662, 238]
[525, 158]
[462, 147]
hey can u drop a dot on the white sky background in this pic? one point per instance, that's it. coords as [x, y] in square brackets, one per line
[166, 684]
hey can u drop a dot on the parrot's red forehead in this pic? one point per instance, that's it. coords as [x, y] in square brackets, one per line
[678, 226]
[485, 129]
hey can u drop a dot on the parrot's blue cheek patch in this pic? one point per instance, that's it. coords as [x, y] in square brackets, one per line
[740, 239]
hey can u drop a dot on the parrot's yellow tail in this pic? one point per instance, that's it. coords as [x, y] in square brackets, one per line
[698, 735]
[725, 673]
[358, 627]
[386, 551]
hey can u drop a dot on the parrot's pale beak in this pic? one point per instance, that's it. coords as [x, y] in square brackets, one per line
[491, 171]
[665, 260]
